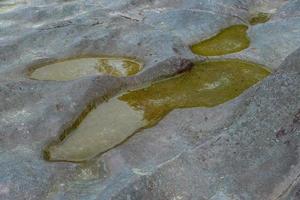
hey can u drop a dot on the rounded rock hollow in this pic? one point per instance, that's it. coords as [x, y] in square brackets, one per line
[72, 69]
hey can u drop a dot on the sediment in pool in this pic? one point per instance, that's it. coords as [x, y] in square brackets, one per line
[260, 18]
[230, 40]
[207, 84]
[76, 68]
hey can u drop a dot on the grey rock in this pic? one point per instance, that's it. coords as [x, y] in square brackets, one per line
[245, 149]
[264, 49]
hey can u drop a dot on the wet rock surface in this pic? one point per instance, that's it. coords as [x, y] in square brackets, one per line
[244, 149]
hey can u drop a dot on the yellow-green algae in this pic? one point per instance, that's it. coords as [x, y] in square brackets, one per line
[207, 84]
[80, 67]
[260, 18]
[230, 40]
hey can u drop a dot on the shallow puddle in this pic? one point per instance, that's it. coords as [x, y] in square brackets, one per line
[260, 18]
[7, 7]
[207, 84]
[230, 40]
[76, 68]
[103, 128]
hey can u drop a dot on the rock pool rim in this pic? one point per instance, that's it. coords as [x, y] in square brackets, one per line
[73, 124]
[43, 62]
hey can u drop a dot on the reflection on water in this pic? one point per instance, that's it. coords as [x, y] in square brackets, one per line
[76, 68]
[207, 84]
[104, 127]
[7, 7]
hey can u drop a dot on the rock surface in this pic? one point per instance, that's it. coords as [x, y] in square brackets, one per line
[244, 149]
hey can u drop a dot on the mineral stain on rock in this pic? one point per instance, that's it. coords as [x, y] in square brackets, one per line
[76, 68]
[260, 18]
[230, 40]
[206, 85]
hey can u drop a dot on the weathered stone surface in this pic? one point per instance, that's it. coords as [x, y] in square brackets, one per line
[244, 149]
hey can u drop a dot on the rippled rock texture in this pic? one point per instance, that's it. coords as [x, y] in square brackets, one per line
[243, 149]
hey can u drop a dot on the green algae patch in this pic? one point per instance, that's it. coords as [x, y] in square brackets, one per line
[230, 40]
[81, 67]
[260, 18]
[206, 85]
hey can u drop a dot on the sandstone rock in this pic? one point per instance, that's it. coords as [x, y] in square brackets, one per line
[245, 149]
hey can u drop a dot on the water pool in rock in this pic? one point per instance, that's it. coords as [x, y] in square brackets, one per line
[75, 68]
[207, 84]
[260, 18]
[230, 40]
[5, 7]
